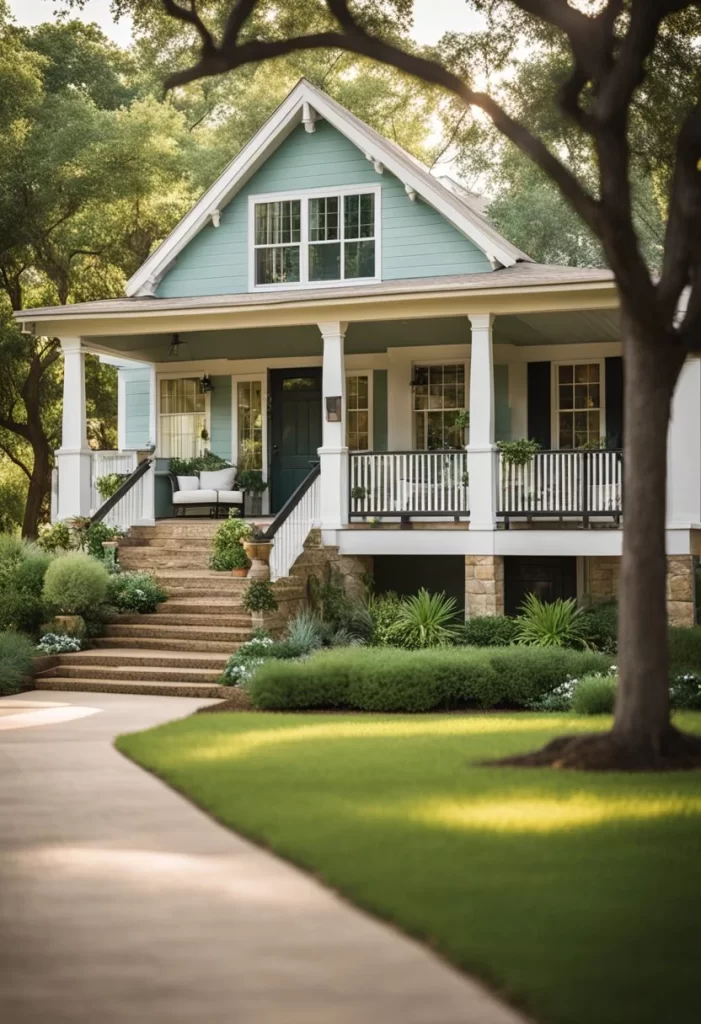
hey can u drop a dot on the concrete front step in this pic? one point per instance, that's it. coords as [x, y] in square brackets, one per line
[202, 631]
[189, 615]
[159, 643]
[187, 604]
[136, 686]
[167, 543]
[160, 658]
[127, 672]
[163, 558]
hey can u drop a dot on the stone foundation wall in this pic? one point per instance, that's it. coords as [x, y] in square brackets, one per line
[681, 591]
[325, 563]
[484, 585]
[604, 574]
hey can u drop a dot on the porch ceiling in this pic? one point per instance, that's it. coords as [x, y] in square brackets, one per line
[558, 328]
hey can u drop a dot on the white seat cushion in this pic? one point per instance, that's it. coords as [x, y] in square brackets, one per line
[195, 497]
[218, 480]
[188, 483]
[233, 497]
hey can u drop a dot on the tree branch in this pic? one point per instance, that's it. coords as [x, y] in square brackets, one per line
[16, 461]
[682, 244]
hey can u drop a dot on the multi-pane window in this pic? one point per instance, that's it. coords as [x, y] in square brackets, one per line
[439, 398]
[358, 412]
[182, 418]
[249, 401]
[277, 242]
[319, 238]
[578, 404]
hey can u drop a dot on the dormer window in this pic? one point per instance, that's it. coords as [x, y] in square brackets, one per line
[314, 238]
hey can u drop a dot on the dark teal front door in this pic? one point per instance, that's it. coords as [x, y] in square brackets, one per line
[295, 429]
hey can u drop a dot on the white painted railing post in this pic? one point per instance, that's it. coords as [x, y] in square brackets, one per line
[73, 458]
[482, 451]
[333, 454]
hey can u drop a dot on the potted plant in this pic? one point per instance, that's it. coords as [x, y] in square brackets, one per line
[228, 554]
[239, 561]
[258, 549]
[251, 482]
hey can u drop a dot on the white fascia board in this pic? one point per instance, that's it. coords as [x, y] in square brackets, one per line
[288, 115]
[122, 362]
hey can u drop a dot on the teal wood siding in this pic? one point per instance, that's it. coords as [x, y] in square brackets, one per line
[220, 417]
[416, 240]
[137, 407]
[379, 412]
[502, 409]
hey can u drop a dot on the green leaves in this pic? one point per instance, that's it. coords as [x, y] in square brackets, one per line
[426, 620]
[558, 624]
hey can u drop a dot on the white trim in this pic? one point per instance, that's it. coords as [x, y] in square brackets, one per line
[304, 195]
[285, 119]
[555, 398]
[243, 378]
[121, 411]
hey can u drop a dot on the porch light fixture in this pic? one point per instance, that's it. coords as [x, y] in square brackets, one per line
[333, 409]
[175, 344]
[206, 384]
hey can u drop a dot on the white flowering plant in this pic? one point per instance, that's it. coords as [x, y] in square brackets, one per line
[58, 643]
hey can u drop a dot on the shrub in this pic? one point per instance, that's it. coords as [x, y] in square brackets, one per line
[75, 583]
[488, 631]
[685, 692]
[306, 630]
[57, 537]
[685, 649]
[189, 467]
[22, 570]
[58, 643]
[251, 655]
[600, 626]
[94, 536]
[227, 544]
[384, 612]
[259, 597]
[557, 624]
[109, 484]
[16, 654]
[384, 679]
[426, 620]
[135, 592]
[338, 611]
[594, 695]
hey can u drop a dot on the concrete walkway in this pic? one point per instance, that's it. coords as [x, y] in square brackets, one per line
[121, 903]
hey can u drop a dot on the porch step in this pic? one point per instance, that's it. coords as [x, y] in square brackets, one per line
[133, 658]
[158, 643]
[144, 687]
[133, 557]
[167, 543]
[231, 634]
[142, 672]
[204, 614]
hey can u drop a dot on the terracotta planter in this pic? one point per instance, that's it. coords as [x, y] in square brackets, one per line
[71, 625]
[259, 553]
[241, 573]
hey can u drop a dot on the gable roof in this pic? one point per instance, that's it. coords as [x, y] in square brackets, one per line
[303, 105]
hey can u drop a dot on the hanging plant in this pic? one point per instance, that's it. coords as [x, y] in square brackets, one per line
[518, 453]
[107, 485]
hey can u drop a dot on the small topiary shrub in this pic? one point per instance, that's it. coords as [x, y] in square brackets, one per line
[594, 695]
[384, 612]
[16, 654]
[135, 592]
[488, 631]
[259, 597]
[22, 570]
[75, 583]
[227, 544]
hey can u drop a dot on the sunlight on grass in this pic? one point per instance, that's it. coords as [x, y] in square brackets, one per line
[239, 745]
[534, 813]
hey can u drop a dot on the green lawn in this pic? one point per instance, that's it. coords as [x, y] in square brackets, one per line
[576, 895]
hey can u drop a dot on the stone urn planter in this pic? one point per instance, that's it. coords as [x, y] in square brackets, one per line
[259, 553]
[240, 573]
[71, 625]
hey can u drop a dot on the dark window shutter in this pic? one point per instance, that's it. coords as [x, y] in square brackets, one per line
[614, 402]
[539, 404]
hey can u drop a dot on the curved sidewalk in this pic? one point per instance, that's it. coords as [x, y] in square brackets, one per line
[123, 904]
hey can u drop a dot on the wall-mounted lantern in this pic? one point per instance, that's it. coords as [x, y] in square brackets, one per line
[206, 384]
[333, 409]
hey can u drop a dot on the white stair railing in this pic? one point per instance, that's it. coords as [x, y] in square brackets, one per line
[431, 483]
[102, 464]
[291, 526]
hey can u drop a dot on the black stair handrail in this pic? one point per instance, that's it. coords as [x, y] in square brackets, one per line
[123, 489]
[292, 502]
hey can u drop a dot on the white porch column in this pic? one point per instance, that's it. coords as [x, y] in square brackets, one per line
[481, 451]
[74, 456]
[684, 449]
[333, 454]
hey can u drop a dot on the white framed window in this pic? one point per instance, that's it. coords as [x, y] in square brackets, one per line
[315, 237]
[182, 418]
[579, 404]
[249, 422]
[359, 411]
[438, 399]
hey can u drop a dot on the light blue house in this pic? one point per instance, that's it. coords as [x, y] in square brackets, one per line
[330, 302]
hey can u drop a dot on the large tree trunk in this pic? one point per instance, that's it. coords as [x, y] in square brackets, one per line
[39, 485]
[642, 707]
